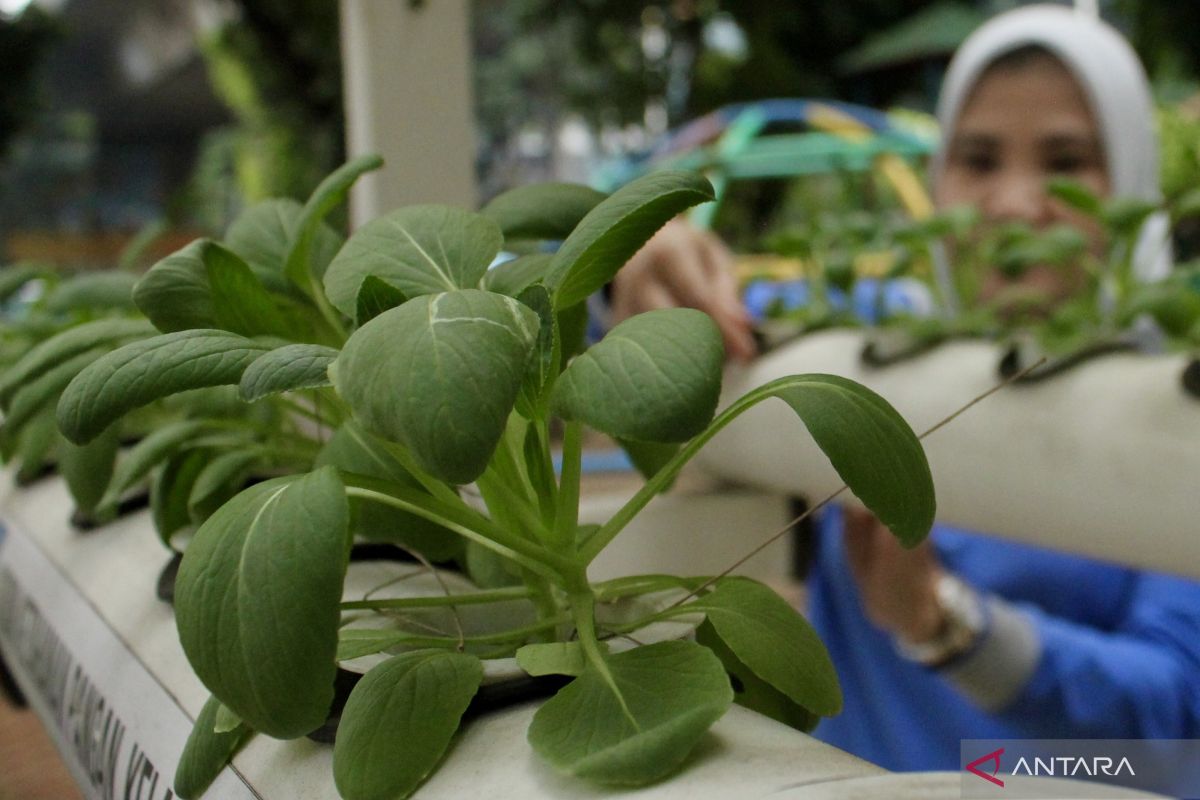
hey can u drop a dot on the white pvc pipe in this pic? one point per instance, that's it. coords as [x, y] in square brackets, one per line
[1101, 460]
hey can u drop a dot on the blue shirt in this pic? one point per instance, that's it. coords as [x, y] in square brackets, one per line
[1120, 655]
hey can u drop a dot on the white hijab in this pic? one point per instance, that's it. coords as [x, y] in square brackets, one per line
[1113, 81]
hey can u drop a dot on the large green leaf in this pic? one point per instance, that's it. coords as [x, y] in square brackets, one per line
[655, 377]
[206, 752]
[419, 250]
[617, 228]
[261, 233]
[136, 464]
[144, 371]
[286, 369]
[774, 641]
[68, 344]
[662, 699]
[440, 375]
[174, 294]
[87, 469]
[257, 599]
[399, 720]
[552, 658]
[241, 304]
[300, 266]
[542, 210]
[753, 692]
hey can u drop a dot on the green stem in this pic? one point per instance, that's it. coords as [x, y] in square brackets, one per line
[511, 635]
[545, 487]
[435, 487]
[468, 599]
[566, 519]
[510, 509]
[327, 311]
[583, 608]
[463, 521]
[664, 477]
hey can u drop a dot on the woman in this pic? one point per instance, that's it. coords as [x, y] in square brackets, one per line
[967, 636]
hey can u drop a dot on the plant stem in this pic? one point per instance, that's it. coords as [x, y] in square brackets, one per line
[469, 525]
[583, 609]
[511, 635]
[435, 487]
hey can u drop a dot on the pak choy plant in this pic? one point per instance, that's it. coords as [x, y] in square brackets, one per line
[54, 323]
[451, 374]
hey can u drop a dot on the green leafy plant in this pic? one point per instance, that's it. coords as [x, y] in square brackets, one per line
[437, 372]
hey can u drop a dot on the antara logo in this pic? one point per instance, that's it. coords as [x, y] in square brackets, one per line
[1057, 766]
[994, 756]
[1065, 766]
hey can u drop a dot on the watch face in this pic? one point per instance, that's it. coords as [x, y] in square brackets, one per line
[964, 621]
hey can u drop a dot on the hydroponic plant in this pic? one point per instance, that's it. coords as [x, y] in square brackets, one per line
[445, 373]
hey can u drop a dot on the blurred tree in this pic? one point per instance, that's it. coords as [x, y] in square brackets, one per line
[277, 65]
[24, 42]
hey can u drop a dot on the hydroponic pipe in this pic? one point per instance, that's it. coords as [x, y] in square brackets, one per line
[1102, 460]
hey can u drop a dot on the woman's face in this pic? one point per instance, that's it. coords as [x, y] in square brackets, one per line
[1021, 126]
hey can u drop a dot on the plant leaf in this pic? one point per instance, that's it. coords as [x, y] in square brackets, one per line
[440, 375]
[87, 469]
[655, 377]
[261, 233]
[617, 228]
[418, 250]
[552, 658]
[174, 294]
[774, 641]
[541, 366]
[354, 450]
[649, 457]
[256, 601]
[374, 298]
[399, 720]
[143, 371]
[868, 443]
[149, 453]
[753, 692]
[513, 277]
[170, 489]
[542, 210]
[241, 304]
[13, 277]
[666, 696]
[206, 752]
[65, 345]
[299, 265]
[286, 369]
[109, 291]
[1075, 195]
[28, 401]
[219, 480]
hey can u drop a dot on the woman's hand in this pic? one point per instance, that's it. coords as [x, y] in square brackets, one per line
[685, 266]
[897, 586]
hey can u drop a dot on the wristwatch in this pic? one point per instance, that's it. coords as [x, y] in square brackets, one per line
[964, 622]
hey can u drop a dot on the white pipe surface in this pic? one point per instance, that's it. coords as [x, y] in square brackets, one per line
[1101, 460]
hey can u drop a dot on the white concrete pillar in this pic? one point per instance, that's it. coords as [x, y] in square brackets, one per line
[407, 78]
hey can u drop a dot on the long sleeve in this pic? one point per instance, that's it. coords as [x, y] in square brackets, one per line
[1141, 679]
